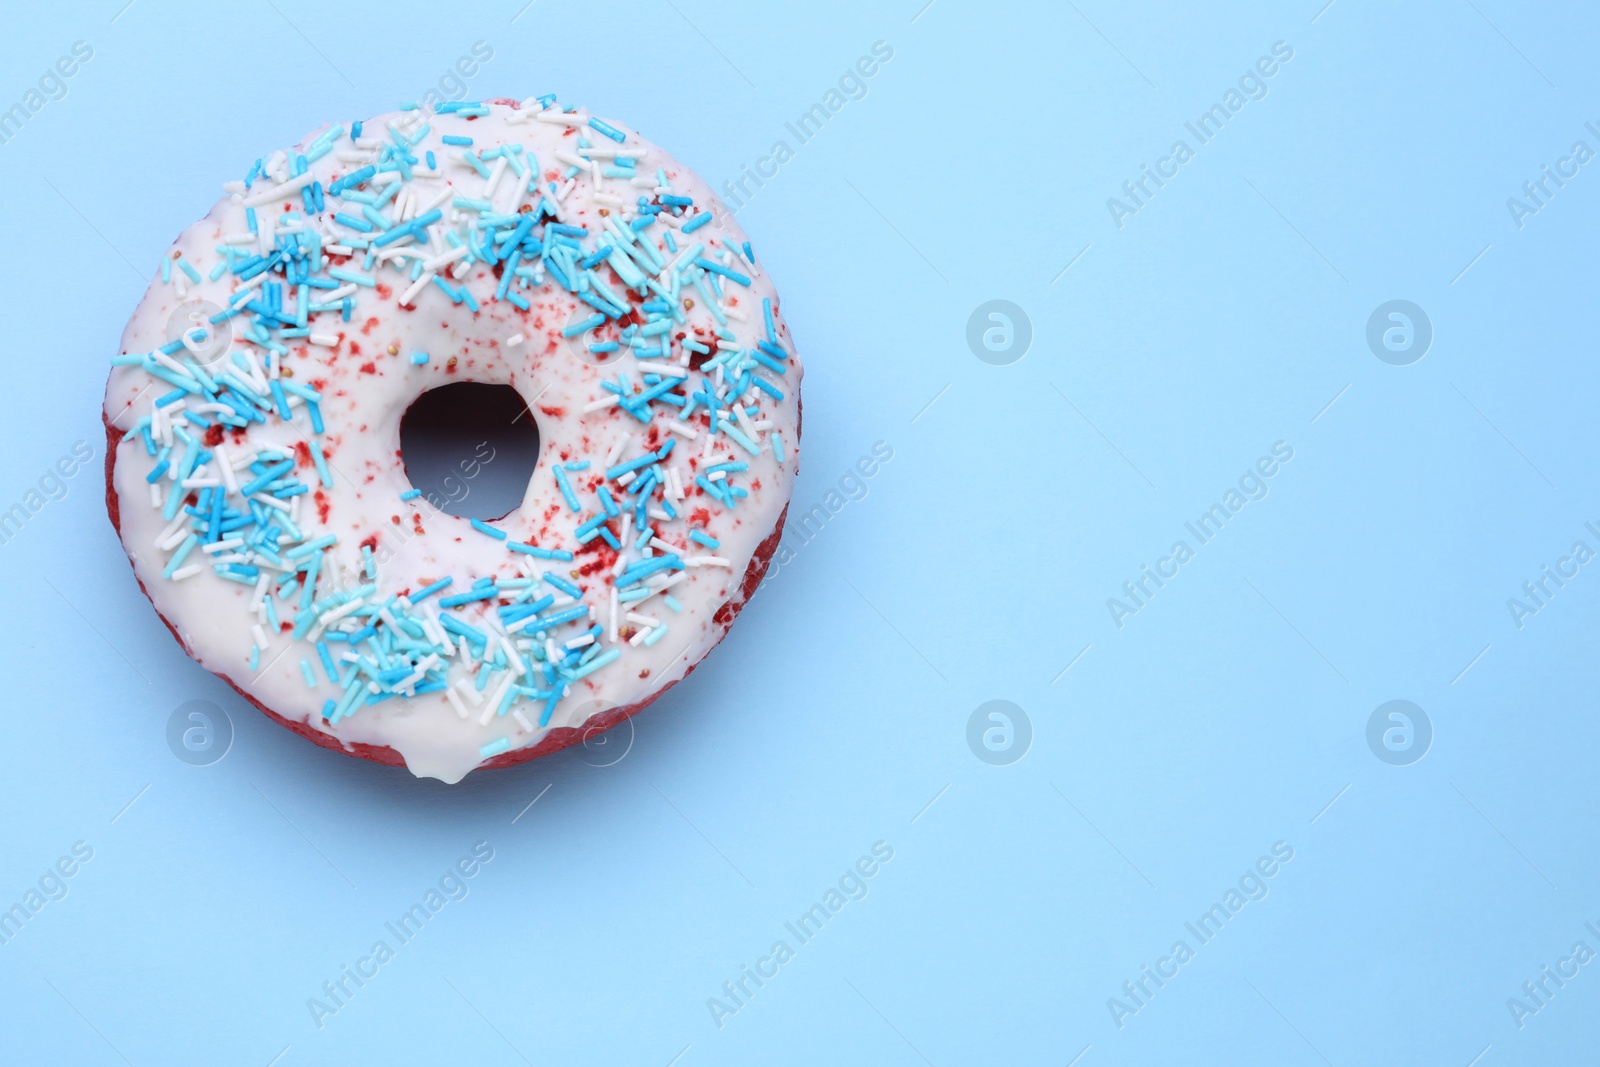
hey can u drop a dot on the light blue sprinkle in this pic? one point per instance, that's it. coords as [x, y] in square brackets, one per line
[485, 528]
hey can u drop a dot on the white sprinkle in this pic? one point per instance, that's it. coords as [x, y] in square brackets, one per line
[326, 340]
[617, 450]
[176, 538]
[260, 635]
[438, 202]
[469, 690]
[187, 572]
[225, 464]
[455, 702]
[682, 429]
[514, 340]
[706, 561]
[666, 370]
[416, 287]
[598, 405]
[522, 720]
[494, 702]
[222, 546]
[449, 257]
[280, 192]
[744, 421]
[511, 654]
[495, 174]
[173, 365]
[172, 527]
[561, 118]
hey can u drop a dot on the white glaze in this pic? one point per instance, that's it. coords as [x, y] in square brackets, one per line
[362, 412]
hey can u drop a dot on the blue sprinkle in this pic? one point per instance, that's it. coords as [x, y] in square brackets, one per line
[608, 130]
[485, 528]
[428, 590]
[541, 553]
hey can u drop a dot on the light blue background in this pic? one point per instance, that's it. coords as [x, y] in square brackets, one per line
[1223, 717]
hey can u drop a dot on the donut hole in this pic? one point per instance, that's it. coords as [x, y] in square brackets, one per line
[471, 448]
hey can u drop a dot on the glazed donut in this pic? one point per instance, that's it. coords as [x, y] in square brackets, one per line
[253, 428]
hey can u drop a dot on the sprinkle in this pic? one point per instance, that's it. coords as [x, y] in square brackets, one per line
[459, 599]
[716, 268]
[411, 494]
[428, 590]
[321, 462]
[485, 528]
[495, 747]
[566, 489]
[541, 553]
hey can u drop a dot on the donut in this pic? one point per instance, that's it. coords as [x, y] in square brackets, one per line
[253, 412]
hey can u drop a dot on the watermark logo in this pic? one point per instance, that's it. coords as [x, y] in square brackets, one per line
[193, 323]
[1139, 191]
[591, 337]
[51, 85]
[52, 485]
[999, 733]
[999, 332]
[1399, 733]
[1252, 886]
[199, 733]
[1537, 993]
[1537, 192]
[852, 885]
[51, 886]
[601, 746]
[1399, 333]
[852, 85]
[803, 527]
[1138, 592]
[452, 886]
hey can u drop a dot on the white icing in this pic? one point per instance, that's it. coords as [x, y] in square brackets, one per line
[362, 413]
